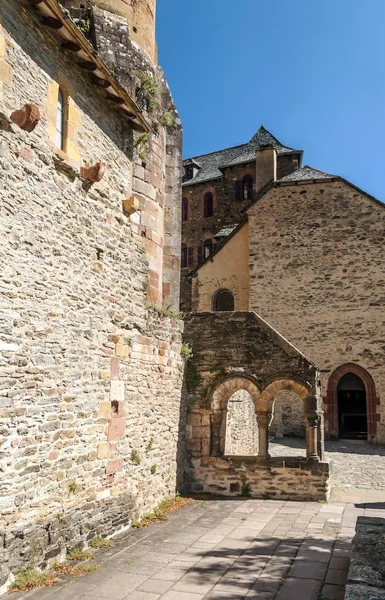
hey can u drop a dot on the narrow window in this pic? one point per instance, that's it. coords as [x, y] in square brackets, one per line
[187, 256]
[223, 301]
[188, 174]
[184, 209]
[200, 255]
[208, 205]
[207, 248]
[238, 191]
[247, 187]
[60, 114]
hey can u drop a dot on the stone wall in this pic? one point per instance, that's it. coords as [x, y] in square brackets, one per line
[366, 577]
[241, 427]
[278, 478]
[289, 419]
[317, 257]
[237, 353]
[229, 270]
[90, 371]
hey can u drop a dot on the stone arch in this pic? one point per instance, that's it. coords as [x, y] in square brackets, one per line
[331, 403]
[222, 392]
[218, 404]
[266, 400]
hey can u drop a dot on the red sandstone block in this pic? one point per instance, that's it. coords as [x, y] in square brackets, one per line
[141, 339]
[114, 466]
[115, 362]
[116, 429]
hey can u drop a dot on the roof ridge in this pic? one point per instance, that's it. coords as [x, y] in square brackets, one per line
[215, 151]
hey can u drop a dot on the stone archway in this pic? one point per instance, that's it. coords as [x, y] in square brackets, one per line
[331, 402]
[218, 407]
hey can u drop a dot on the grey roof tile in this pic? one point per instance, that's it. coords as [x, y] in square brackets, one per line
[212, 163]
[305, 173]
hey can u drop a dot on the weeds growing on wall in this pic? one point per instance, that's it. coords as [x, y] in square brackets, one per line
[161, 511]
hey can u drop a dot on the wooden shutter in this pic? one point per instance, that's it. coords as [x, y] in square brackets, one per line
[200, 254]
[189, 256]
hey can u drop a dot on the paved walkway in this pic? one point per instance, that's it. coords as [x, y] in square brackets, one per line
[227, 549]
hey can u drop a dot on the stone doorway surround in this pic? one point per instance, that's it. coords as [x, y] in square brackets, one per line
[331, 400]
[239, 351]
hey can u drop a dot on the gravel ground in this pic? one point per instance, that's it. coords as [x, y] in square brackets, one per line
[355, 463]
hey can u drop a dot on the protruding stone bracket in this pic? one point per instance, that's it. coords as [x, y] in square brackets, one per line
[26, 118]
[93, 174]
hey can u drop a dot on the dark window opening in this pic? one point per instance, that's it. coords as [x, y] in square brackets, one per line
[352, 415]
[247, 185]
[186, 256]
[184, 209]
[188, 174]
[208, 247]
[208, 205]
[223, 301]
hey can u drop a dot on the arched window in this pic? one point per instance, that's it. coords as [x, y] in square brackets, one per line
[207, 248]
[208, 205]
[247, 187]
[186, 256]
[184, 209]
[223, 301]
[60, 120]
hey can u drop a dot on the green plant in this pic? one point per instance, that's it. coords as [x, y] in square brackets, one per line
[245, 489]
[243, 519]
[30, 578]
[167, 119]
[143, 155]
[99, 542]
[135, 457]
[153, 469]
[79, 554]
[147, 92]
[150, 444]
[167, 311]
[186, 351]
[323, 501]
[87, 568]
[192, 376]
[72, 487]
[142, 139]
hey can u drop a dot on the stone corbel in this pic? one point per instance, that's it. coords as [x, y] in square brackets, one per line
[94, 173]
[26, 118]
[130, 205]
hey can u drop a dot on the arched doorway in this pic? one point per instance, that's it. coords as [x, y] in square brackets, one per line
[352, 413]
[334, 392]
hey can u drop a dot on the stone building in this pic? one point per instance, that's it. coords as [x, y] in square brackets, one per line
[308, 256]
[90, 365]
[216, 189]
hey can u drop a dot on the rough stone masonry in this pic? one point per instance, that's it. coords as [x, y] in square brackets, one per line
[90, 368]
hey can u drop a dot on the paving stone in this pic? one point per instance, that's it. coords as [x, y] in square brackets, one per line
[336, 576]
[293, 589]
[173, 595]
[155, 586]
[333, 592]
[137, 595]
[119, 586]
[308, 570]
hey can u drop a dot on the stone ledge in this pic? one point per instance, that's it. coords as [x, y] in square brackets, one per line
[366, 578]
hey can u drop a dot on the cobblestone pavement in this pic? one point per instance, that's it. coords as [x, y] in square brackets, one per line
[226, 549]
[355, 463]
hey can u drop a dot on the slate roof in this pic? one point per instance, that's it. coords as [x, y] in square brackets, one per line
[212, 163]
[225, 231]
[306, 173]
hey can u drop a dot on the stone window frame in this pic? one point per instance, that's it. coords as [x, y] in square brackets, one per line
[189, 258]
[71, 121]
[187, 199]
[331, 400]
[207, 190]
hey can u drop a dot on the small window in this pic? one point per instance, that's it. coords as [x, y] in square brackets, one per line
[207, 248]
[60, 120]
[184, 209]
[247, 187]
[223, 301]
[187, 256]
[208, 205]
[188, 174]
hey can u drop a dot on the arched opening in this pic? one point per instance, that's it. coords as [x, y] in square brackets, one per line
[352, 413]
[208, 204]
[333, 407]
[207, 248]
[241, 437]
[289, 417]
[223, 301]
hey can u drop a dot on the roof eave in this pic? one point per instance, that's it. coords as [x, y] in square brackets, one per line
[70, 33]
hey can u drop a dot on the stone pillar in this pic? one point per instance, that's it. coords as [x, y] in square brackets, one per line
[312, 421]
[215, 427]
[263, 420]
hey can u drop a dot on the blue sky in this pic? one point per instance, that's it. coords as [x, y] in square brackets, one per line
[312, 71]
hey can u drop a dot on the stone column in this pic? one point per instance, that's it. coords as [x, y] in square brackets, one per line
[263, 420]
[312, 421]
[215, 427]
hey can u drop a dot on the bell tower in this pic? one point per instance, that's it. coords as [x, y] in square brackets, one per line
[140, 15]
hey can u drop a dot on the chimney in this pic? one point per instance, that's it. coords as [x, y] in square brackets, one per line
[266, 167]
